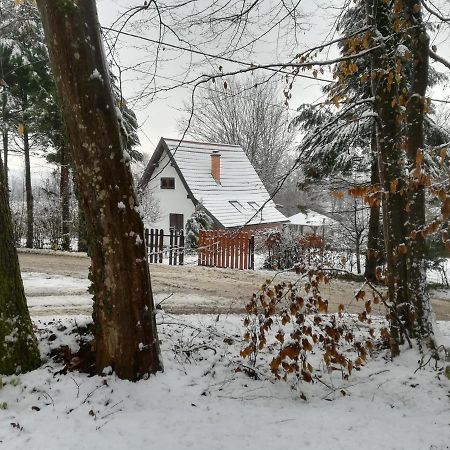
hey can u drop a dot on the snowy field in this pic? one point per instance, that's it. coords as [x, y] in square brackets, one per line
[204, 401]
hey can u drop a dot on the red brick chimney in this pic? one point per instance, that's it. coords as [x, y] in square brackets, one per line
[215, 165]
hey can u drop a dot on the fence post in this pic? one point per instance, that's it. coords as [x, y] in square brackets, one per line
[242, 235]
[161, 245]
[170, 245]
[199, 247]
[251, 252]
[245, 250]
[175, 252]
[152, 239]
[181, 256]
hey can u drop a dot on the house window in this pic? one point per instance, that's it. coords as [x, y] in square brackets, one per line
[167, 183]
[254, 205]
[176, 221]
[237, 205]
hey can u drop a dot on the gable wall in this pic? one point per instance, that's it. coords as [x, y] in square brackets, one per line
[170, 200]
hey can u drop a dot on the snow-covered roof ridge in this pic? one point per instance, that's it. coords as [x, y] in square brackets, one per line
[239, 197]
[311, 218]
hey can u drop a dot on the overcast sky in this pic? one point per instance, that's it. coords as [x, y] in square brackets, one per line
[158, 115]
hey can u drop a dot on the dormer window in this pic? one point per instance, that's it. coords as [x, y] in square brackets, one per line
[237, 205]
[167, 183]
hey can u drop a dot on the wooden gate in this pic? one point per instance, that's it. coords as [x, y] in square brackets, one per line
[158, 251]
[234, 250]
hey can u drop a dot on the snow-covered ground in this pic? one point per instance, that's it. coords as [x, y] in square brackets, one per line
[203, 401]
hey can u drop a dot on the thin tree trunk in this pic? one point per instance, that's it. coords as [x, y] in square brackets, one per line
[5, 154]
[126, 339]
[5, 134]
[18, 346]
[373, 237]
[65, 199]
[417, 282]
[28, 190]
[357, 235]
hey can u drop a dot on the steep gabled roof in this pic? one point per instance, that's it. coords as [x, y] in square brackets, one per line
[239, 199]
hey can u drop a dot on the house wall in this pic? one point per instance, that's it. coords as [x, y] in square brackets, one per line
[171, 201]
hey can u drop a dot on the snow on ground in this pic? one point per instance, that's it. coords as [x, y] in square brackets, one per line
[38, 283]
[55, 292]
[201, 402]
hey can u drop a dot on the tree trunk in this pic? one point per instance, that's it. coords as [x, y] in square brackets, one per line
[126, 337]
[373, 238]
[357, 237]
[5, 153]
[417, 282]
[18, 346]
[391, 170]
[5, 134]
[28, 190]
[65, 199]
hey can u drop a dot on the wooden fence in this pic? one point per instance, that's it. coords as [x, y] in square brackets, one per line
[234, 250]
[156, 247]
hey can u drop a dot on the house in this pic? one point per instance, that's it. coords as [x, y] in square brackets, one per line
[220, 177]
[311, 222]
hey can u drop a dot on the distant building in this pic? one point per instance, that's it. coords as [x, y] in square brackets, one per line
[311, 222]
[220, 177]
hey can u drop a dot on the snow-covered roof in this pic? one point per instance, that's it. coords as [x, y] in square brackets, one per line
[310, 218]
[240, 197]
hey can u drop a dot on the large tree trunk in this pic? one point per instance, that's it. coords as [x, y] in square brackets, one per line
[417, 282]
[391, 170]
[18, 346]
[126, 337]
[28, 189]
[65, 199]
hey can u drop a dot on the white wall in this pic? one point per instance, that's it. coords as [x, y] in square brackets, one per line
[171, 201]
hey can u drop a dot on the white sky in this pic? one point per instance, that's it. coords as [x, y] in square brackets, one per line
[159, 117]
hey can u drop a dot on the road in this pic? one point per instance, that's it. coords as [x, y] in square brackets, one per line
[190, 289]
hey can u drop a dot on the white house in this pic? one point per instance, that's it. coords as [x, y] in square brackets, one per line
[311, 222]
[182, 174]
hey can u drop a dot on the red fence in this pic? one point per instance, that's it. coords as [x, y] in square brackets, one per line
[234, 250]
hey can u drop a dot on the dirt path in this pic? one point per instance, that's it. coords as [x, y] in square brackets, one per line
[194, 289]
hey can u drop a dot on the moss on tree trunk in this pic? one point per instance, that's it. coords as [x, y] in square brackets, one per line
[18, 346]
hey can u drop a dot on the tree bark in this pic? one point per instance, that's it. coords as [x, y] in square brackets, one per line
[373, 238]
[391, 169]
[5, 135]
[18, 346]
[5, 153]
[126, 338]
[417, 283]
[28, 190]
[65, 199]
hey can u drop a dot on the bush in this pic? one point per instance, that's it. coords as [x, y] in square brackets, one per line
[286, 249]
[198, 221]
[291, 322]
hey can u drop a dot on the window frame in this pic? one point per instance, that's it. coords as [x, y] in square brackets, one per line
[163, 186]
